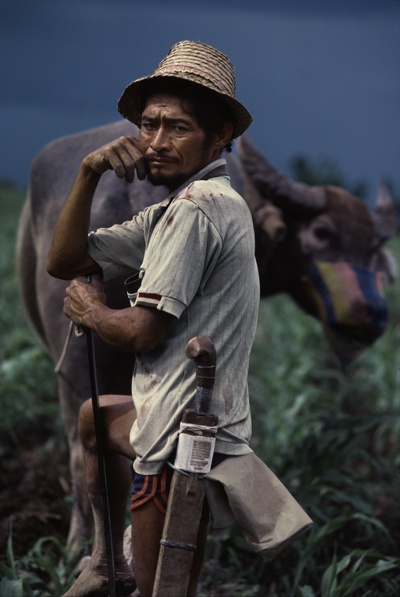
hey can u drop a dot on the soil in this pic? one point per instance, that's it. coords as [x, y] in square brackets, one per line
[34, 489]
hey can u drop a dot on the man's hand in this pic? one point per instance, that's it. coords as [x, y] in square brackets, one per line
[134, 329]
[121, 155]
[82, 297]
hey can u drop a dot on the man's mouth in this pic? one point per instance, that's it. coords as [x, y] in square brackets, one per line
[159, 160]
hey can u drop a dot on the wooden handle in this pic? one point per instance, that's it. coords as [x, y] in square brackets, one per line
[202, 350]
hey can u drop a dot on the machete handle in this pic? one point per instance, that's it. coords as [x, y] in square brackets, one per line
[202, 350]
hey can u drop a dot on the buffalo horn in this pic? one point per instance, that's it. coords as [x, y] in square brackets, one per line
[274, 185]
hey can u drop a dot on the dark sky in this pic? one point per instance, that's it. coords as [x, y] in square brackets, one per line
[321, 77]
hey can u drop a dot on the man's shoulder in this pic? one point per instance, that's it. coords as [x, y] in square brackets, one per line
[215, 201]
[202, 191]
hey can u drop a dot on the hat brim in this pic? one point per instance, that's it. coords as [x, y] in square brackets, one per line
[132, 100]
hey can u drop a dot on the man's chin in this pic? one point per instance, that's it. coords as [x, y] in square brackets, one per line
[171, 182]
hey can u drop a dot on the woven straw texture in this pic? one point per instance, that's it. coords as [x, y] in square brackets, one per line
[196, 62]
[199, 63]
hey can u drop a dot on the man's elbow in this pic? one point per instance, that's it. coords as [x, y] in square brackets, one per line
[151, 329]
[64, 270]
[54, 269]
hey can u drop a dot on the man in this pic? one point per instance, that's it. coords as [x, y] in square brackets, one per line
[195, 255]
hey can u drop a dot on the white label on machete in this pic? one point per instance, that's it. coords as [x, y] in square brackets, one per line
[194, 453]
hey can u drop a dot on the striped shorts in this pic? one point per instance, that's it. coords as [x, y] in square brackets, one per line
[157, 487]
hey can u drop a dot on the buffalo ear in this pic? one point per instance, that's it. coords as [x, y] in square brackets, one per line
[384, 215]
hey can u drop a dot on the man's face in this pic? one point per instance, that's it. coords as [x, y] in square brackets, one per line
[173, 144]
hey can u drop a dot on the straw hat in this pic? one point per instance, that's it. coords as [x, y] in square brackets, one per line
[200, 64]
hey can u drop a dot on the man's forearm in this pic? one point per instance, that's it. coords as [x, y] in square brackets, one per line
[134, 329]
[68, 255]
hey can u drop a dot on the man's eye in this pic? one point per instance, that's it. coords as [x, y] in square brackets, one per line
[179, 128]
[148, 126]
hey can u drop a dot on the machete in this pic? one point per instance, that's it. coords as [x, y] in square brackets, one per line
[186, 498]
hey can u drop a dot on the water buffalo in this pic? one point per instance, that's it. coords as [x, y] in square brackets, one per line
[294, 226]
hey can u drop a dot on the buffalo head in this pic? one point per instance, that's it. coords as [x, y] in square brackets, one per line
[326, 253]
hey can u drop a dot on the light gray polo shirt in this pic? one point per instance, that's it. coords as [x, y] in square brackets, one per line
[195, 252]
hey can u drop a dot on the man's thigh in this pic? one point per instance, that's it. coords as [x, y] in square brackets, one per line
[118, 415]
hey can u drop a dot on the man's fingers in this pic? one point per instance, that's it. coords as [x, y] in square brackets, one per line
[137, 156]
[123, 156]
[122, 164]
[126, 158]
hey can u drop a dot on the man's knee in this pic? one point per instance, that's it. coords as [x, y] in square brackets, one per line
[86, 425]
[117, 415]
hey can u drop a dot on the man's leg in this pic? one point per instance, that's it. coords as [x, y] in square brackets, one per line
[147, 527]
[118, 415]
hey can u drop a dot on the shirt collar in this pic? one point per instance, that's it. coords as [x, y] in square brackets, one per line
[198, 176]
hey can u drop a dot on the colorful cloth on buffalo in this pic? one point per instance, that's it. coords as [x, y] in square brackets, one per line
[350, 299]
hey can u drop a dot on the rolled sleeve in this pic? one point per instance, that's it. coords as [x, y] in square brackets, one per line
[162, 303]
[119, 249]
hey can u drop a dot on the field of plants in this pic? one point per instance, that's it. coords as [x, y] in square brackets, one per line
[330, 435]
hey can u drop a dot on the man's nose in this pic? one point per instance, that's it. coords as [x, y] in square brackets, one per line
[161, 140]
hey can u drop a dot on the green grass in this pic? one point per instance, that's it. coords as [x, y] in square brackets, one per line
[330, 436]
[25, 368]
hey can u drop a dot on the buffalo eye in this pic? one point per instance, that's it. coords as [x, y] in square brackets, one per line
[322, 233]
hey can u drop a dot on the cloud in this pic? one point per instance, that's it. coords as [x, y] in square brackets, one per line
[321, 78]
